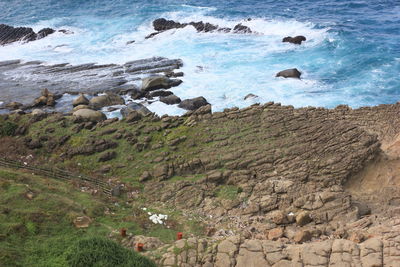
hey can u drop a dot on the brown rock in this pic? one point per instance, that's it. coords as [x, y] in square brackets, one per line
[275, 234]
[302, 236]
[303, 218]
[81, 100]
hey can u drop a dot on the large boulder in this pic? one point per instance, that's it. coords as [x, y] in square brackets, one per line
[81, 100]
[137, 107]
[159, 82]
[294, 40]
[289, 73]
[170, 100]
[194, 103]
[9, 34]
[109, 99]
[90, 115]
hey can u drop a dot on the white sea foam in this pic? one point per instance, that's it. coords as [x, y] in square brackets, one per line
[219, 66]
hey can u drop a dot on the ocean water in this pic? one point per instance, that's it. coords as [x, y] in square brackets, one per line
[351, 56]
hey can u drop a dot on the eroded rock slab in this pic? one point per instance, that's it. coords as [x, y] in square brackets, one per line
[22, 81]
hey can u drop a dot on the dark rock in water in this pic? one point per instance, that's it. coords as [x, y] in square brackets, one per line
[66, 31]
[161, 25]
[151, 35]
[44, 32]
[160, 93]
[194, 103]
[204, 27]
[250, 96]
[137, 94]
[134, 107]
[294, 40]
[170, 100]
[164, 25]
[241, 29]
[225, 30]
[9, 34]
[289, 73]
[130, 42]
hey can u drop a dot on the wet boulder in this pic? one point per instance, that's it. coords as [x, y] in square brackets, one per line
[159, 82]
[289, 73]
[294, 40]
[109, 99]
[194, 103]
[81, 100]
[170, 100]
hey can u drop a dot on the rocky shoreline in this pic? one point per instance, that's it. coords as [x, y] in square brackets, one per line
[269, 185]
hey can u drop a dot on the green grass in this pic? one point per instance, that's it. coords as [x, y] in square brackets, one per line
[37, 232]
[228, 192]
[103, 252]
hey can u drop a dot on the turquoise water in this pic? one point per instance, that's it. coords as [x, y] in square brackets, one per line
[352, 55]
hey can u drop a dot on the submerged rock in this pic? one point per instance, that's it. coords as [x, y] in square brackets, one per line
[250, 96]
[289, 73]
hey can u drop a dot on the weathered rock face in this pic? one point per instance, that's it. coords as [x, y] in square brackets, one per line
[9, 34]
[288, 160]
[289, 73]
[236, 251]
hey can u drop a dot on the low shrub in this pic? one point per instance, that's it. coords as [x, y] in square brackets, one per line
[102, 252]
